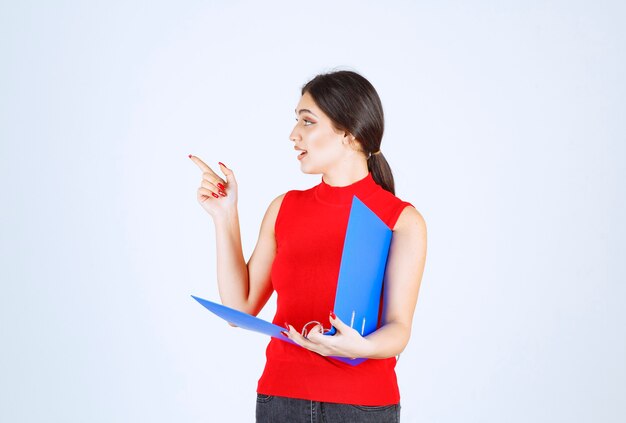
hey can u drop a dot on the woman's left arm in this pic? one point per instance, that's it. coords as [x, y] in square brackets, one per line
[403, 276]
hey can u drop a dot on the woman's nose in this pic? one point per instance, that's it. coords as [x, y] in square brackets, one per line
[294, 136]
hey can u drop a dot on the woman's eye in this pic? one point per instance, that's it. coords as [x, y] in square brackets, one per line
[305, 121]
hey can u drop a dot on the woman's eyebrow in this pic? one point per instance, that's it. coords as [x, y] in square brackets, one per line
[304, 110]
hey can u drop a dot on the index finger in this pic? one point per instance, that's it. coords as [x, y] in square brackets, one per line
[203, 166]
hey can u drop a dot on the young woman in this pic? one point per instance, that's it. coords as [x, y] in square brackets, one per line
[338, 134]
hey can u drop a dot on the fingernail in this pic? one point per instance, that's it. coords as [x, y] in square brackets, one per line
[190, 156]
[333, 315]
[287, 326]
[215, 195]
[223, 165]
[222, 193]
[283, 333]
[220, 186]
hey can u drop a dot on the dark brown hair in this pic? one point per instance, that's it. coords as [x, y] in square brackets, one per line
[353, 105]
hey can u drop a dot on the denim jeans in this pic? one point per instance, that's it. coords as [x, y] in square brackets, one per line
[276, 409]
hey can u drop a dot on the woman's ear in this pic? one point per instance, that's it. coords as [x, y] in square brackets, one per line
[348, 138]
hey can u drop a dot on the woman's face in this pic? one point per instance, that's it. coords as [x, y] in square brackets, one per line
[314, 133]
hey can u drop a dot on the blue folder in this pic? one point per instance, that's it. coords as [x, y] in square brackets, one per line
[362, 269]
[359, 285]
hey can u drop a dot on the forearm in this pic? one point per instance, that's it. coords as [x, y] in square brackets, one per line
[232, 270]
[388, 341]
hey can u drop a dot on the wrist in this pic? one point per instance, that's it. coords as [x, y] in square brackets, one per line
[367, 349]
[226, 218]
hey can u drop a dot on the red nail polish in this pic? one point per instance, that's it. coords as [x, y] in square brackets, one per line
[220, 186]
[222, 193]
[190, 156]
[287, 326]
[223, 165]
[215, 195]
[333, 315]
[283, 333]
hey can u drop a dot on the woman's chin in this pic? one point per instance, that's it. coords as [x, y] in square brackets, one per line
[309, 170]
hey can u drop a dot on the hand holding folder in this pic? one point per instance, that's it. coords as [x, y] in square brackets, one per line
[359, 286]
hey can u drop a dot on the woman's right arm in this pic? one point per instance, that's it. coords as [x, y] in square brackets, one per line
[245, 287]
[242, 286]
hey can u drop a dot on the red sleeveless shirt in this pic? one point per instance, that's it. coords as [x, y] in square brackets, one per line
[310, 229]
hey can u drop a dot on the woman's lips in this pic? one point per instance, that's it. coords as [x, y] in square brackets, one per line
[301, 155]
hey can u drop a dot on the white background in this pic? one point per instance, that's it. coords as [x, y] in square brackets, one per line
[504, 127]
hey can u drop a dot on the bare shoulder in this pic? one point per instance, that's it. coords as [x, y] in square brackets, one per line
[279, 198]
[272, 210]
[410, 221]
[275, 204]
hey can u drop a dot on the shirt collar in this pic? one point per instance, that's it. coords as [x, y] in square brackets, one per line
[343, 195]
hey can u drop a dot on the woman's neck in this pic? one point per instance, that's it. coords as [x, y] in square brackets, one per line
[346, 174]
